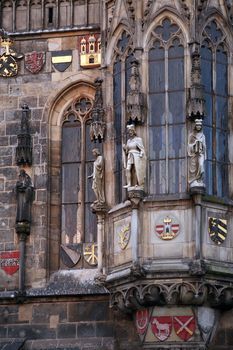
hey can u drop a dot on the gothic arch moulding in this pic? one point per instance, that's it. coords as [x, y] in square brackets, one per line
[158, 19]
[110, 50]
[53, 114]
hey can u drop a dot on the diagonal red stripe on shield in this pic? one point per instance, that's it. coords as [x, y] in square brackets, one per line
[184, 326]
[161, 327]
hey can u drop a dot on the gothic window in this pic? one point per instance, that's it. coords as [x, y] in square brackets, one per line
[50, 13]
[121, 75]
[78, 223]
[167, 150]
[214, 70]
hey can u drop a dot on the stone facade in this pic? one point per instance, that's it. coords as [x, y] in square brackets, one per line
[152, 267]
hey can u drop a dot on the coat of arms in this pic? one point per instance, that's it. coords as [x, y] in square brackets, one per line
[124, 237]
[142, 320]
[184, 326]
[34, 61]
[161, 327]
[61, 60]
[217, 230]
[9, 261]
[167, 230]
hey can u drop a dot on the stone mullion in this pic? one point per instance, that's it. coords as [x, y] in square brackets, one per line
[71, 13]
[82, 182]
[57, 19]
[214, 166]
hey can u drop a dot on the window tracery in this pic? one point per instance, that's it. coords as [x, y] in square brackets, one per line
[167, 150]
[78, 223]
[214, 67]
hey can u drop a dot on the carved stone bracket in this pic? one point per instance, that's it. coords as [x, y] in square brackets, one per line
[144, 294]
[97, 125]
[24, 148]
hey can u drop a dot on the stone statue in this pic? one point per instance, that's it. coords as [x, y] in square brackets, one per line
[25, 196]
[134, 160]
[98, 177]
[197, 155]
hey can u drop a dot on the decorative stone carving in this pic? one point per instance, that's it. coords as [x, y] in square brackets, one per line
[197, 155]
[25, 195]
[133, 296]
[98, 178]
[196, 103]
[135, 100]
[24, 148]
[134, 160]
[97, 114]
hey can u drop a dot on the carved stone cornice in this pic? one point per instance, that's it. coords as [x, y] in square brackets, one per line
[136, 295]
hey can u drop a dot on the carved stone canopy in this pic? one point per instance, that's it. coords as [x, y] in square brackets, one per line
[196, 103]
[24, 148]
[135, 99]
[97, 125]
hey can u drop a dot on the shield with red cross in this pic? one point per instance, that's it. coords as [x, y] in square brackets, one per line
[184, 326]
[142, 320]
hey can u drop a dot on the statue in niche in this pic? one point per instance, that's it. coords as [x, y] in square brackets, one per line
[197, 155]
[25, 196]
[134, 160]
[98, 177]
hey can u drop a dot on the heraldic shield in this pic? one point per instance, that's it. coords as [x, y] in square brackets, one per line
[161, 327]
[184, 326]
[9, 261]
[142, 320]
[34, 61]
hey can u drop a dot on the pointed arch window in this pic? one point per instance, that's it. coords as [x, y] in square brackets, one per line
[78, 223]
[167, 137]
[121, 75]
[214, 68]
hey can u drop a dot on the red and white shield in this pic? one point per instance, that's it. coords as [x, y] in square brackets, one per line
[161, 327]
[34, 61]
[9, 262]
[184, 326]
[159, 229]
[142, 320]
[175, 228]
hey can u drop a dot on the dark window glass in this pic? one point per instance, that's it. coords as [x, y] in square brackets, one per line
[167, 150]
[215, 80]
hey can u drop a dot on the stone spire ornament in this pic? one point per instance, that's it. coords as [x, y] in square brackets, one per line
[135, 100]
[196, 103]
[98, 125]
[24, 148]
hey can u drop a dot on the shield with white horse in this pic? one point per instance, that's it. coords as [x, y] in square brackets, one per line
[161, 327]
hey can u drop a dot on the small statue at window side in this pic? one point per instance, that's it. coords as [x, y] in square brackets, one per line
[25, 195]
[98, 178]
[134, 159]
[197, 155]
